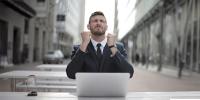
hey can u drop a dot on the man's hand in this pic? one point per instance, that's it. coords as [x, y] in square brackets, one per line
[111, 40]
[85, 40]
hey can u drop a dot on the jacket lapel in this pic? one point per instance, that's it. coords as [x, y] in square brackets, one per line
[106, 54]
[92, 53]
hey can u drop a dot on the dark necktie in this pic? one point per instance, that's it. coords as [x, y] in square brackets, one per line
[99, 55]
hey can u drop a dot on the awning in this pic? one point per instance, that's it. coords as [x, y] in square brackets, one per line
[21, 7]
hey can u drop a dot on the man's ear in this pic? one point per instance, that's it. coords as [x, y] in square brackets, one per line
[88, 26]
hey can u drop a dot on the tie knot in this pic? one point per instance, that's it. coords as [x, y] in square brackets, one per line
[98, 45]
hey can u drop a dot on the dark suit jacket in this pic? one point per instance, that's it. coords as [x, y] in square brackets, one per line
[88, 62]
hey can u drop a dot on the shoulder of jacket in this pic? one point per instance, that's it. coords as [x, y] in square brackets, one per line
[76, 46]
[119, 45]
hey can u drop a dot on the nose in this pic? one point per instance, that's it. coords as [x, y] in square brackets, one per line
[98, 22]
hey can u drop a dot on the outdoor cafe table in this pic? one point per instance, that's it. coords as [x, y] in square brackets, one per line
[52, 67]
[23, 74]
[179, 95]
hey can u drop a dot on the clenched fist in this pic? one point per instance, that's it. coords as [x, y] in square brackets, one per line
[85, 40]
[111, 39]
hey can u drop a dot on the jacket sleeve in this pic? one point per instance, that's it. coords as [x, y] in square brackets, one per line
[76, 63]
[121, 60]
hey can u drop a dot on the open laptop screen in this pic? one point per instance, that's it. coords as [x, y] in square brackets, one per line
[102, 84]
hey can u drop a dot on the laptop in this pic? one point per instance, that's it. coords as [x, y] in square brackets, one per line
[102, 84]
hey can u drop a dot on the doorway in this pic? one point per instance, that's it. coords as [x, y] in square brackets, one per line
[16, 46]
[3, 38]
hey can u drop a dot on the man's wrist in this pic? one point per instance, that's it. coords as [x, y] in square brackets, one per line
[111, 46]
[113, 50]
[83, 46]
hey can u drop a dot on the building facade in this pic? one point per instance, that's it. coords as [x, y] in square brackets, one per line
[166, 34]
[124, 21]
[14, 23]
[26, 27]
[43, 28]
[69, 23]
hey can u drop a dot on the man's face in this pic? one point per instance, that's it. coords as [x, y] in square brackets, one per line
[97, 25]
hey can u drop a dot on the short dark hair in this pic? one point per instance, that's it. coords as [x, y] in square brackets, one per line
[95, 14]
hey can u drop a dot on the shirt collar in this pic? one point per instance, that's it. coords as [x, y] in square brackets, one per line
[103, 43]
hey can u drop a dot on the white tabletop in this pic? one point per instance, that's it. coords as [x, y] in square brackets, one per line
[186, 95]
[52, 67]
[41, 76]
[38, 74]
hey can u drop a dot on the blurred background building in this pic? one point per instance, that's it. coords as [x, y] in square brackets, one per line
[69, 24]
[30, 28]
[15, 22]
[164, 33]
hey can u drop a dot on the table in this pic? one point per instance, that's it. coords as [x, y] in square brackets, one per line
[184, 95]
[38, 74]
[23, 74]
[52, 67]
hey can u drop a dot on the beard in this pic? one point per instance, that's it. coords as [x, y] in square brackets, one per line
[98, 32]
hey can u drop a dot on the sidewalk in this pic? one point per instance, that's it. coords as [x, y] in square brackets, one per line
[27, 66]
[166, 80]
[171, 71]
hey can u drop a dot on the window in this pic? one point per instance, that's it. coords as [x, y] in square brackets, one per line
[60, 17]
[3, 38]
[40, 1]
[26, 26]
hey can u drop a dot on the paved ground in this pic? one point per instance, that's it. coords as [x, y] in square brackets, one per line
[148, 80]
[143, 80]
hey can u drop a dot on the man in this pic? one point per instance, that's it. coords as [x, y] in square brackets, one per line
[98, 52]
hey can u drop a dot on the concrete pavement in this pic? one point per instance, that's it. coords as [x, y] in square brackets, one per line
[27, 66]
[166, 80]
